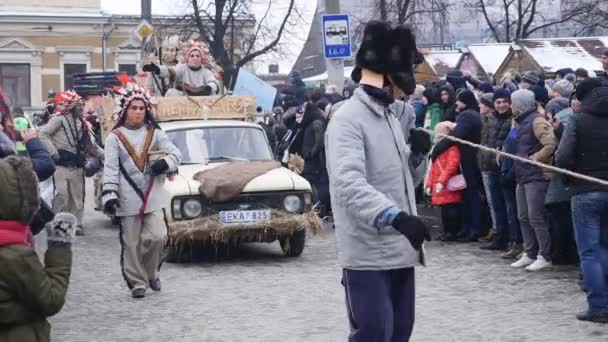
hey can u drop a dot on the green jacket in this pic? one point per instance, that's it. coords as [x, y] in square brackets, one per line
[31, 292]
[434, 111]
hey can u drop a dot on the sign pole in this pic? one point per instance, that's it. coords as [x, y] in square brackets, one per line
[334, 64]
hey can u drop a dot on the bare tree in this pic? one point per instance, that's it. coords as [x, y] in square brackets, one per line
[402, 11]
[511, 20]
[234, 34]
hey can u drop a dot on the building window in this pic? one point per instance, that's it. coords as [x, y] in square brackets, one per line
[130, 69]
[68, 72]
[15, 81]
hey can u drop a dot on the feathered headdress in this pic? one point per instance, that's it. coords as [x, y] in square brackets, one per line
[192, 45]
[128, 92]
[65, 101]
[171, 42]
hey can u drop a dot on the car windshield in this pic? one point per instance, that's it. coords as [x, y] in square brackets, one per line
[218, 144]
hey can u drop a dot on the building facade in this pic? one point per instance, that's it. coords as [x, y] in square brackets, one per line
[44, 43]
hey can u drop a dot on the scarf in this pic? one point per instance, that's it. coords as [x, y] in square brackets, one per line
[13, 233]
[378, 94]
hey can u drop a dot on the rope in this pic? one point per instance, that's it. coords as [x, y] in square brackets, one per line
[521, 159]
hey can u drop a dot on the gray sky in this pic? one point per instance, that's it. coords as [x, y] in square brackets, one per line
[291, 44]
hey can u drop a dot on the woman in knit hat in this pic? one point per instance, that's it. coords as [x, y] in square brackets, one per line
[133, 186]
[30, 291]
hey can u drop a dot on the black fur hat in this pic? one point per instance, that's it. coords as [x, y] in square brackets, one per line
[389, 51]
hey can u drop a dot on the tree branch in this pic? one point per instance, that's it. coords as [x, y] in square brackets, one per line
[488, 21]
[272, 44]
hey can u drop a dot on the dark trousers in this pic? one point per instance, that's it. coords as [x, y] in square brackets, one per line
[451, 218]
[563, 244]
[380, 304]
[471, 212]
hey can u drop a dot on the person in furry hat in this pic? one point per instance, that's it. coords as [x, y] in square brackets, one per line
[192, 77]
[133, 186]
[372, 150]
[30, 291]
[67, 138]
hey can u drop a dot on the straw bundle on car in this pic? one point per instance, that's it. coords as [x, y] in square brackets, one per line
[210, 229]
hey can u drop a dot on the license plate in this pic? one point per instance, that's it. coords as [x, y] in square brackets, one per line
[244, 216]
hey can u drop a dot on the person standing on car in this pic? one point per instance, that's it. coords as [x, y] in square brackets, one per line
[69, 141]
[133, 187]
[370, 161]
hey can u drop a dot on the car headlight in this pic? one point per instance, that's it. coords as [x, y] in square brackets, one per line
[292, 203]
[192, 208]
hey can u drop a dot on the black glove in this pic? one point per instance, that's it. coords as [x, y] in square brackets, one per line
[412, 228]
[206, 91]
[420, 141]
[66, 156]
[153, 68]
[111, 206]
[159, 167]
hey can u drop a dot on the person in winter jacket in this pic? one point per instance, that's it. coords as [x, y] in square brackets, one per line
[508, 183]
[433, 116]
[311, 124]
[133, 187]
[537, 142]
[499, 125]
[371, 162]
[446, 166]
[29, 291]
[419, 103]
[557, 199]
[447, 102]
[583, 150]
[468, 127]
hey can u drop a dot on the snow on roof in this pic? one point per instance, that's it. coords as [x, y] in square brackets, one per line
[442, 61]
[324, 76]
[557, 53]
[490, 56]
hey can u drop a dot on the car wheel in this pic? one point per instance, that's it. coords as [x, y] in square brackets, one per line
[178, 253]
[293, 245]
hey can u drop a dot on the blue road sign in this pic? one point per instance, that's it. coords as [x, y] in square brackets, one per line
[336, 36]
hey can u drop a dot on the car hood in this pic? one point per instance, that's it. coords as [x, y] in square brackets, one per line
[279, 179]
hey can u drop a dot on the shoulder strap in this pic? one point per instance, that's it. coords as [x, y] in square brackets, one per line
[131, 181]
[141, 158]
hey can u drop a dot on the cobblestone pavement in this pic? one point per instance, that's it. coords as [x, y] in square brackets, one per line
[256, 294]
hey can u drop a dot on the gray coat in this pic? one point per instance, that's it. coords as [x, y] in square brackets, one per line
[370, 169]
[113, 180]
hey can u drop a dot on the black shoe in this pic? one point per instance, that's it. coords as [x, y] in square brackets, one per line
[448, 237]
[155, 285]
[595, 317]
[80, 231]
[494, 246]
[138, 293]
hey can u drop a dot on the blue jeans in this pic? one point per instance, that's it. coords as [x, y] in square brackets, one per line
[508, 192]
[588, 209]
[498, 207]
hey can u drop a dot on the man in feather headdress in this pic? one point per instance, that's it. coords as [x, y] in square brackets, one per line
[159, 85]
[67, 138]
[133, 186]
[192, 77]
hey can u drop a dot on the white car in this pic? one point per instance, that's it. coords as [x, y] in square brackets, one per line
[207, 144]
